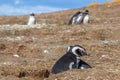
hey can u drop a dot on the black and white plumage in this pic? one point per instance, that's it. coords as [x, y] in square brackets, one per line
[32, 19]
[82, 64]
[71, 60]
[76, 18]
[86, 16]
[80, 17]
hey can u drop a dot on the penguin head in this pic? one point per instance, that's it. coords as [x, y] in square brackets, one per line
[87, 11]
[32, 14]
[77, 50]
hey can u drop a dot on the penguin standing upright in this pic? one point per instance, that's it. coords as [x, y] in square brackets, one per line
[86, 16]
[32, 19]
[79, 18]
[70, 60]
[74, 18]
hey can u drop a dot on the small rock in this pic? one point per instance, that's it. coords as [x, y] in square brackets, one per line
[46, 51]
[105, 42]
[16, 55]
[105, 56]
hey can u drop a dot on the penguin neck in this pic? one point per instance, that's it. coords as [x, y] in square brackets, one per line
[32, 17]
[85, 13]
[72, 56]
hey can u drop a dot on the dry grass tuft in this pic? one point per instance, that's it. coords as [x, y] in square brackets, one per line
[93, 4]
[107, 3]
[113, 2]
[116, 1]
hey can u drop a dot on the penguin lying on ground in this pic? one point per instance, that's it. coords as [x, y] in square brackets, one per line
[32, 19]
[71, 60]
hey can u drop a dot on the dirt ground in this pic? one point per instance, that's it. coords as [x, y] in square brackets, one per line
[30, 53]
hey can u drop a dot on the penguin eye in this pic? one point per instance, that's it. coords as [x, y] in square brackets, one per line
[78, 52]
[81, 51]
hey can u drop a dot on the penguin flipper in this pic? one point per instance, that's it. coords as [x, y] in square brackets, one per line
[84, 65]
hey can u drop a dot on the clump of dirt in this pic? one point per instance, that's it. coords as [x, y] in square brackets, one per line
[2, 47]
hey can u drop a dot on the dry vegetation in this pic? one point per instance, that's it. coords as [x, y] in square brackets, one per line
[116, 1]
[93, 4]
[29, 54]
[113, 2]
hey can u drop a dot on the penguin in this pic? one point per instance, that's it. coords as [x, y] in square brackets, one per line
[32, 19]
[86, 16]
[74, 18]
[79, 18]
[71, 60]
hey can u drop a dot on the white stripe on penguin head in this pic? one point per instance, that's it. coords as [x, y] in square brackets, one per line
[75, 48]
[68, 48]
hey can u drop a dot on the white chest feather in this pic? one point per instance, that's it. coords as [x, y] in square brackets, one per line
[74, 20]
[31, 20]
[79, 19]
[70, 65]
[86, 19]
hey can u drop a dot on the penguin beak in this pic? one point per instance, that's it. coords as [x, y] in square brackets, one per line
[86, 53]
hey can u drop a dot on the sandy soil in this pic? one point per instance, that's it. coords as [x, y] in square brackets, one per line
[29, 52]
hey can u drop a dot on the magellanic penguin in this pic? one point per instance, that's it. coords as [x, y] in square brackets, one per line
[32, 19]
[71, 60]
[73, 19]
[86, 16]
[79, 18]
